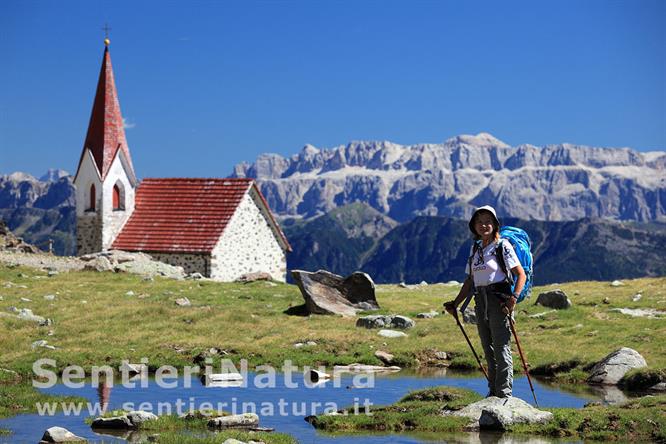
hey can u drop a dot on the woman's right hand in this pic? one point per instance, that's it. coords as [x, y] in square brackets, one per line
[450, 307]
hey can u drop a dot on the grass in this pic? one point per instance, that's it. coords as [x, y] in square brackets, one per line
[643, 419]
[247, 321]
[96, 322]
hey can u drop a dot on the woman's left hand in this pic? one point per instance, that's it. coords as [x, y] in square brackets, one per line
[509, 305]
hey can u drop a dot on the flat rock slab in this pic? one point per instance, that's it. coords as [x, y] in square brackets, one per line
[391, 334]
[614, 366]
[60, 434]
[380, 321]
[131, 420]
[244, 420]
[499, 413]
[328, 293]
[649, 313]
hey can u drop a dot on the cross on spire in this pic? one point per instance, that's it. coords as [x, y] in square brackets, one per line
[106, 30]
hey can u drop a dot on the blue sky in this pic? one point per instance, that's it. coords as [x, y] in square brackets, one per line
[205, 85]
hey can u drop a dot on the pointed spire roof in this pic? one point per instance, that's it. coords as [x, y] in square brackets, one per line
[106, 134]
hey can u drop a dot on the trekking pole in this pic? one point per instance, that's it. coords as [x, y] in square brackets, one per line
[522, 358]
[462, 329]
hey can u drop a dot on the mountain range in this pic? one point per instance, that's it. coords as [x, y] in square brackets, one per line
[552, 183]
[399, 212]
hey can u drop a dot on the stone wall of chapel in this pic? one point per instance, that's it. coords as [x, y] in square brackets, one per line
[248, 245]
[191, 263]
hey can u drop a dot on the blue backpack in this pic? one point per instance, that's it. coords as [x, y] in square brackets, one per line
[520, 242]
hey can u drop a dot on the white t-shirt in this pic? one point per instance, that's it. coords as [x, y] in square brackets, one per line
[485, 269]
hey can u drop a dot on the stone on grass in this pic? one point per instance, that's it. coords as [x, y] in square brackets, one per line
[129, 293]
[443, 356]
[43, 344]
[137, 417]
[244, 420]
[132, 369]
[428, 315]
[99, 263]
[649, 313]
[469, 316]
[616, 283]
[256, 276]
[637, 297]
[380, 321]
[554, 299]
[515, 411]
[183, 302]
[113, 422]
[614, 366]
[49, 297]
[26, 300]
[27, 315]
[385, 357]
[328, 293]
[498, 413]
[391, 334]
[59, 434]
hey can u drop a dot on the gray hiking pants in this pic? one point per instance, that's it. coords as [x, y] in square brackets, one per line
[495, 333]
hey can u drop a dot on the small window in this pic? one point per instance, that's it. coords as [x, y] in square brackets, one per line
[92, 199]
[118, 197]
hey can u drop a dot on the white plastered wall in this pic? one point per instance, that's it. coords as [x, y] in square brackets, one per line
[114, 220]
[87, 175]
[248, 244]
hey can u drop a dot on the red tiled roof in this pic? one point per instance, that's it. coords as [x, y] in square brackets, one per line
[182, 215]
[106, 134]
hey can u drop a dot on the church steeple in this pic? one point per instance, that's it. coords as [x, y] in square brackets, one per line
[106, 134]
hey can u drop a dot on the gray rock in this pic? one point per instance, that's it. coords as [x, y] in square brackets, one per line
[244, 420]
[659, 387]
[392, 334]
[99, 264]
[441, 355]
[26, 314]
[614, 366]
[129, 293]
[428, 315]
[505, 412]
[114, 422]
[26, 300]
[60, 434]
[328, 293]
[616, 283]
[381, 321]
[138, 417]
[649, 313]
[252, 277]
[469, 316]
[49, 297]
[52, 273]
[183, 302]
[385, 357]
[554, 299]
[497, 413]
[637, 297]
[233, 441]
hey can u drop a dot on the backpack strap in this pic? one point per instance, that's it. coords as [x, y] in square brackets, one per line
[476, 247]
[499, 256]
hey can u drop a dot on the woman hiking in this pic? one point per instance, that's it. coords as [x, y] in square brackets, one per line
[493, 297]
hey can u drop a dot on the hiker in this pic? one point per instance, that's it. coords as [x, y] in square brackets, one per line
[493, 297]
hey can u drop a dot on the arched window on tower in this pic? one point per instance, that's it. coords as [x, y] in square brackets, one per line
[118, 197]
[91, 198]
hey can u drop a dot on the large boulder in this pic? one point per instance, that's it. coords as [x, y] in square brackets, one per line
[60, 434]
[379, 321]
[328, 293]
[113, 422]
[499, 413]
[614, 366]
[553, 299]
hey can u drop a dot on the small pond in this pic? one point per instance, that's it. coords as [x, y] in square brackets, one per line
[296, 403]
